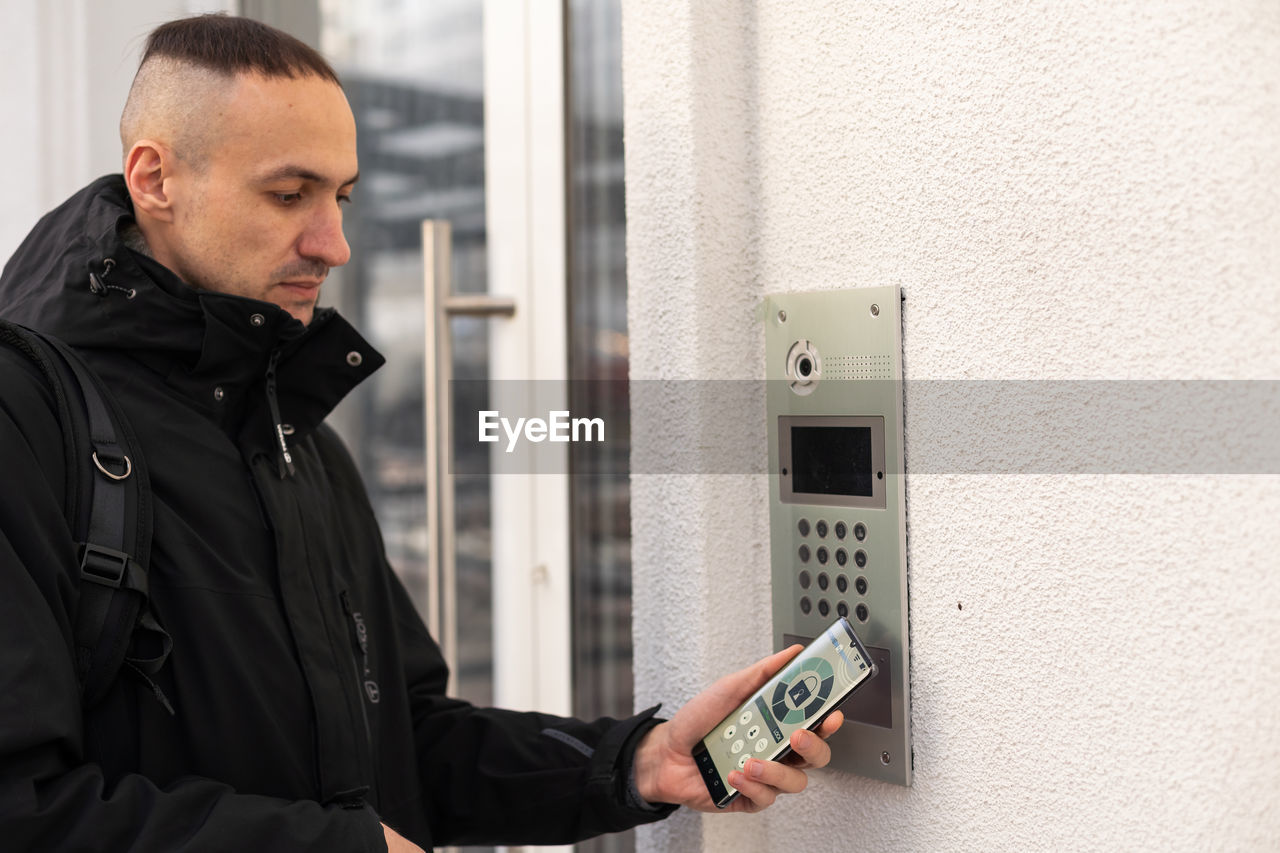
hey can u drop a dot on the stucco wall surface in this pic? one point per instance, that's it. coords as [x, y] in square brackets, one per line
[1075, 189]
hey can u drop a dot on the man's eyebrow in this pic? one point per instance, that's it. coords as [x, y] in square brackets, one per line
[289, 171]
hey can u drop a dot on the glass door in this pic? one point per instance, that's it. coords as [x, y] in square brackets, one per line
[414, 75]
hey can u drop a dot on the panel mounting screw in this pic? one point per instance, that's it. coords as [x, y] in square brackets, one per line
[782, 316]
[884, 759]
[875, 310]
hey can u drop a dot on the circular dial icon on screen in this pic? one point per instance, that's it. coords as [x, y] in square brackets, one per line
[803, 695]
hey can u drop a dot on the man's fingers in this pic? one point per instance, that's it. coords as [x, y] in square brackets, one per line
[783, 778]
[830, 725]
[809, 750]
[732, 690]
[765, 668]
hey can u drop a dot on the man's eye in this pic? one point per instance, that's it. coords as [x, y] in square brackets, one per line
[344, 199]
[287, 198]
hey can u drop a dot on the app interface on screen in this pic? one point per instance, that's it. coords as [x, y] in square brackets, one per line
[818, 678]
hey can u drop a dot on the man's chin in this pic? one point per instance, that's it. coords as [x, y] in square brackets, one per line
[301, 307]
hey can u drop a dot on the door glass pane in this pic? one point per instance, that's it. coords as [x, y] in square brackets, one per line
[413, 73]
[598, 365]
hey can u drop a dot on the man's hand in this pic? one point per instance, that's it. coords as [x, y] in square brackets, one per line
[667, 773]
[397, 843]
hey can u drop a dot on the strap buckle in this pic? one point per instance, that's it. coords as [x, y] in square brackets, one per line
[103, 565]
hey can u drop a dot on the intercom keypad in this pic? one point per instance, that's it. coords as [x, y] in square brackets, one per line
[822, 580]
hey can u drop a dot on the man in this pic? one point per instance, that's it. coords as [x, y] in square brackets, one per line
[190, 284]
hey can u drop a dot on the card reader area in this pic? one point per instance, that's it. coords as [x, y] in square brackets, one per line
[872, 703]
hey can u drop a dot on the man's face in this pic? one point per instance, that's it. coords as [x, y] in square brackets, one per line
[261, 216]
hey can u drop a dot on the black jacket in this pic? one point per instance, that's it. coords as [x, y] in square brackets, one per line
[274, 589]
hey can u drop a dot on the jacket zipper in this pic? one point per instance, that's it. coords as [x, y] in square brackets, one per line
[284, 460]
[363, 645]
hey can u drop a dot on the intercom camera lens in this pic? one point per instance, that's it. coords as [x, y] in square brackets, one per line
[804, 367]
[803, 527]
[861, 586]
[823, 556]
[859, 531]
[823, 581]
[805, 605]
[860, 557]
[842, 530]
[842, 583]
[804, 580]
[842, 556]
[804, 553]
[823, 607]
[861, 612]
[822, 529]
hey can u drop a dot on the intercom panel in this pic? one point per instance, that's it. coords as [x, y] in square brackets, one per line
[837, 503]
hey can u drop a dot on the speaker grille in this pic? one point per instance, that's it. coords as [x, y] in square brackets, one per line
[858, 367]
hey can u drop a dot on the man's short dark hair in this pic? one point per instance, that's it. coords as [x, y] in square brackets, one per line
[233, 45]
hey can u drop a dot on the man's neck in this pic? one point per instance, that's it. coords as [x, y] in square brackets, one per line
[133, 237]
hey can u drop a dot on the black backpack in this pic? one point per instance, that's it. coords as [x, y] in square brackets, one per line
[108, 506]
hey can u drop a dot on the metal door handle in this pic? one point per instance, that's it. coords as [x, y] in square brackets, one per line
[441, 306]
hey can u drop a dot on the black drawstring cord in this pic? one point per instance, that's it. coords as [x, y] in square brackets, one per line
[285, 459]
[98, 285]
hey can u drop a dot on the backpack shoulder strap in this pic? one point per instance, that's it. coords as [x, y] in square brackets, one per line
[109, 510]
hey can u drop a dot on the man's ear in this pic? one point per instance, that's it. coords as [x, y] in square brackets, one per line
[147, 168]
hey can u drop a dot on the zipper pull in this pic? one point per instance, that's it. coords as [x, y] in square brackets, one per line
[285, 459]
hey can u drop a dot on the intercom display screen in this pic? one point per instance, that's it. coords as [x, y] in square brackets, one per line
[832, 460]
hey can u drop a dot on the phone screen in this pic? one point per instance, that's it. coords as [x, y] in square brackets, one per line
[799, 697]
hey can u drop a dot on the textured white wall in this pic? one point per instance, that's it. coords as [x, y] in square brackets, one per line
[1065, 189]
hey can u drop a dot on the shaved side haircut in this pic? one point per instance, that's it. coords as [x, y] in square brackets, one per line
[189, 67]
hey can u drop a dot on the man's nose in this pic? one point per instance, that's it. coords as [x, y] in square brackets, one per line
[323, 240]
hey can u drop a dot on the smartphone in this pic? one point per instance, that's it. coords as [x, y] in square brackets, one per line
[801, 696]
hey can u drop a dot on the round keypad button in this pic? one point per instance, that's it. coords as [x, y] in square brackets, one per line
[823, 607]
[861, 586]
[821, 529]
[862, 613]
[823, 556]
[842, 556]
[803, 527]
[804, 553]
[842, 583]
[842, 530]
[823, 581]
[805, 605]
[860, 557]
[859, 531]
[842, 609]
[805, 580]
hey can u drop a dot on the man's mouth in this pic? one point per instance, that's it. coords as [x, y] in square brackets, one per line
[302, 287]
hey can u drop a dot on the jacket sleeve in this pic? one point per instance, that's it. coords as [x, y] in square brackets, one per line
[51, 797]
[492, 776]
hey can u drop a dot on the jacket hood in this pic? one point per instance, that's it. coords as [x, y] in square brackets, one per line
[74, 277]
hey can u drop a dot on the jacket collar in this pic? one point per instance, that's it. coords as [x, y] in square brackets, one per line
[75, 277]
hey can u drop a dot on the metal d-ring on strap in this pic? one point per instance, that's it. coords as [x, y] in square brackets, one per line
[128, 468]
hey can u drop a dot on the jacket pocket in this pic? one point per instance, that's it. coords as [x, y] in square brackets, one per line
[360, 651]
